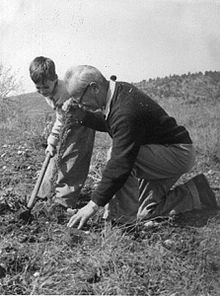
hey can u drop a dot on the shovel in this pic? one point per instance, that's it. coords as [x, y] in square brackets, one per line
[26, 215]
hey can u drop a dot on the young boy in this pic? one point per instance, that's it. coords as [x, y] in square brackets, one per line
[77, 148]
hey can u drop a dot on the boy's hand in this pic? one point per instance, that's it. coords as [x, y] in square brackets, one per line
[82, 216]
[51, 150]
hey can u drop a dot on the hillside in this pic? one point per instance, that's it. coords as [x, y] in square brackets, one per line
[33, 104]
[191, 87]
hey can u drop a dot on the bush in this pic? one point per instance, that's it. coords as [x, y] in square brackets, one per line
[8, 85]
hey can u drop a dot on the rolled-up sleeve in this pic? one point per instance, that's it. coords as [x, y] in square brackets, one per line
[53, 138]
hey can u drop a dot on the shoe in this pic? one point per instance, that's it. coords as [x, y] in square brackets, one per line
[206, 195]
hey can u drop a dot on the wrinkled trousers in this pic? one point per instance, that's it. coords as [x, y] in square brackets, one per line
[71, 167]
[147, 192]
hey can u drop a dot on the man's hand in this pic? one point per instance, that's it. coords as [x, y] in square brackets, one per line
[66, 105]
[74, 111]
[51, 150]
[82, 216]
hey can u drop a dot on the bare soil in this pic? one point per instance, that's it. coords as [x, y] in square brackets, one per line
[21, 240]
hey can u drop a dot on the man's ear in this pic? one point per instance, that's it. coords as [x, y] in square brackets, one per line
[95, 87]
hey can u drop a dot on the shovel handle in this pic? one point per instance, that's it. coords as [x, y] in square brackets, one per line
[39, 181]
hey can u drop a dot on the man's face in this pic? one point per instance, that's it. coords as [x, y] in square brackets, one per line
[88, 98]
[46, 88]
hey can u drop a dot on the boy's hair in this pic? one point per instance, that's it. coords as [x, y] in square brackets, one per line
[42, 69]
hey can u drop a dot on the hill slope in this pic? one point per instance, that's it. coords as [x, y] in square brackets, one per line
[33, 104]
[189, 88]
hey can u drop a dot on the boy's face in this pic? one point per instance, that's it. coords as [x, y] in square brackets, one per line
[46, 88]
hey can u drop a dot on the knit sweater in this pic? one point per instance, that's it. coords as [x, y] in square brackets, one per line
[134, 120]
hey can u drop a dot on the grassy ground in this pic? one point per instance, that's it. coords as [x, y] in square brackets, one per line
[180, 256]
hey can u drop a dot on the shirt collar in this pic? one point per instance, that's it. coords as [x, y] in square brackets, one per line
[110, 93]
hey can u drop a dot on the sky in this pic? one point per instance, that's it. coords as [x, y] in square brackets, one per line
[133, 39]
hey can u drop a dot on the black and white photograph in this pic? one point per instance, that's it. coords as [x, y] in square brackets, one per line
[110, 147]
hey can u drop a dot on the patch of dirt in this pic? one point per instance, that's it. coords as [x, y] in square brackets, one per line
[20, 163]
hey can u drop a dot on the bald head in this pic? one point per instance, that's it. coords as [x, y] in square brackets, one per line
[77, 78]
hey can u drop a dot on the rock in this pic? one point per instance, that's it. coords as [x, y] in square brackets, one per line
[151, 224]
[210, 172]
[36, 274]
[169, 244]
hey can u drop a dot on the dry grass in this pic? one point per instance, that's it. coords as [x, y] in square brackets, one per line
[115, 261]
[44, 257]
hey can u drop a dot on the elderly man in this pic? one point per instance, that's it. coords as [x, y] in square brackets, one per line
[150, 152]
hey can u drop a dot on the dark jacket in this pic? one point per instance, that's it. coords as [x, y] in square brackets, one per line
[134, 120]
